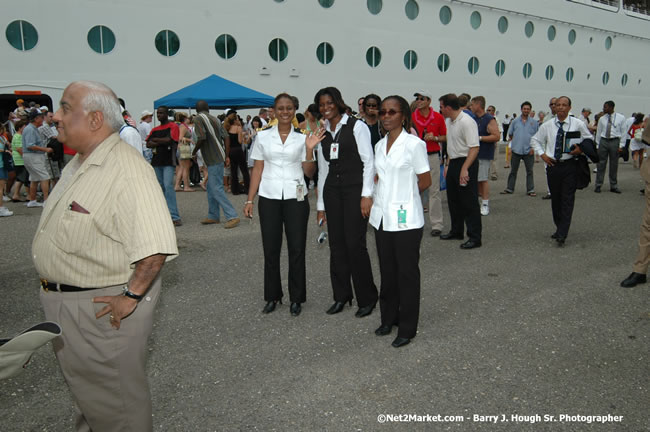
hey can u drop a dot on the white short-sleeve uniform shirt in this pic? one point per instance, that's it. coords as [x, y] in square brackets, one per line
[397, 187]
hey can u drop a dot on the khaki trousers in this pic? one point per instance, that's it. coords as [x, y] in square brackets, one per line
[104, 367]
[434, 196]
[643, 257]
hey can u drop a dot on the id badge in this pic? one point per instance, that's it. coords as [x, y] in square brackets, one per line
[334, 151]
[300, 192]
[401, 218]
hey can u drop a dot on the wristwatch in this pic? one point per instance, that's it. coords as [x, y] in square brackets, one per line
[127, 293]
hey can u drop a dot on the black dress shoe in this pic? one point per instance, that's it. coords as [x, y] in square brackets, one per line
[336, 307]
[633, 280]
[597, 189]
[560, 240]
[615, 190]
[270, 306]
[554, 235]
[383, 330]
[451, 236]
[470, 244]
[435, 233]
[400, 342]
[295, 309]
[547, 196]
[365, 311]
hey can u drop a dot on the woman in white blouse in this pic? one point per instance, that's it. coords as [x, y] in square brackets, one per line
[402, 168]
[282, 157]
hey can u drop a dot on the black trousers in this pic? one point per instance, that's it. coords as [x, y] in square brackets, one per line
[562, 180]
[238, 162]
[399, 298]
[293, 215]
[463, 200]
[347, 239]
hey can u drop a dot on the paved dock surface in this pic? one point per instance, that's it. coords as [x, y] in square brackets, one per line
[518, 327]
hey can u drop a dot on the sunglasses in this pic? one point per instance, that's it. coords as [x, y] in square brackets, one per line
[420, 98]
[390, 112]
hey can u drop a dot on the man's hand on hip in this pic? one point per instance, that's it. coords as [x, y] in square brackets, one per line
[118, 306]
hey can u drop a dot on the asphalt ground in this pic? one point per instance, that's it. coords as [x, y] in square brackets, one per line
[518, 327]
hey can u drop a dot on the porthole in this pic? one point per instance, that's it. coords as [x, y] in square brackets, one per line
[588, 76]
[572, 37]
[101, 39]
[167, 43]
[21, 35]
[326, 3]
[624, 80]
[279, 1]
[500, 68]
[445, 15]
[373, 56]
[473, 65]
[374, 6]
[503, 25]
[475, 20]
[549, 72]
[412, 9]
[608, 43]
[527, 70]
[443, 62]
[410, 59]
[569, 75]
[278, 49]
[605, 78]
[325, 53]
[591, 39]
[551, 33]
[226, 46]
[529, 29]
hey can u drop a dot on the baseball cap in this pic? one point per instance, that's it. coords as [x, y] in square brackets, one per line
[145, 113]
[33, 114]
[424, 93]
[16, 352]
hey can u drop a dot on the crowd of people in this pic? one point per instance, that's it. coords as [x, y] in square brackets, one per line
[99, 251]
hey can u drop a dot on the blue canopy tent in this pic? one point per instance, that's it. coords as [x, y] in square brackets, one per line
[218, 93]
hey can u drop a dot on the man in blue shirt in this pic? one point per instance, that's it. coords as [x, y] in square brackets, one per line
[520, 132]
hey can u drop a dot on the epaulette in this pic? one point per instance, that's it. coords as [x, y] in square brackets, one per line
[264, 128]
[301, 131]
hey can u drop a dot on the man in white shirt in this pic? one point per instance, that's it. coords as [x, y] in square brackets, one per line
[557, 142]
[132, 137]
[610, 138]
[145, 124]
[461, 172]
[584, 116]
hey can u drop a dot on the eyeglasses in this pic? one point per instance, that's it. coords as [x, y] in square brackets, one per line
[390, 112]
[420, 98]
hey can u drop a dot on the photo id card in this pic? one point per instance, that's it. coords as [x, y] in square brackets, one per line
[401, 218]
[334, 151]
[300, 192]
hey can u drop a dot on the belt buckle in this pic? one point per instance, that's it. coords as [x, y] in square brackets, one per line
[44, 285]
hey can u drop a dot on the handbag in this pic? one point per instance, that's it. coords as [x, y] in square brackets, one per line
[8, 161]
[195, 173]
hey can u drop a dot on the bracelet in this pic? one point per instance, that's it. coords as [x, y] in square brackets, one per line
[249, 202]
[129, 294]
[310, 160]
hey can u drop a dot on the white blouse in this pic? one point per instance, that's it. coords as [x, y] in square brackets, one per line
[396, 200]
[282, 163]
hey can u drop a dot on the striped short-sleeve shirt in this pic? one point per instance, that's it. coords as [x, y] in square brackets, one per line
[105, 214]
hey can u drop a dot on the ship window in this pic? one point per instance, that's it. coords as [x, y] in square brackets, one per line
[472, 65]
[226, 46]
[443, 62]
[279, 1]
[445, 15]
[410, 59]
[588, 76]
[500, 68]
[503, 24]
[373, 56]
[278, 49]
[325, 53]
[412, 9]
[624, 80]
[167, 43]
[374, 6]
[101, 39]
[326, 3]
[605, 78]
[608, 43]
[572, 37]
[527, 70]
[475, 20]
[569, 75]
[549, 72]
[551, 33]
[529, 29]
[21, 35]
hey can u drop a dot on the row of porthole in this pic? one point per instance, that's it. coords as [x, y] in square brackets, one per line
[412, 10]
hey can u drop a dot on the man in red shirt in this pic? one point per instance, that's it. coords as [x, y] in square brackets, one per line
[431, 128]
